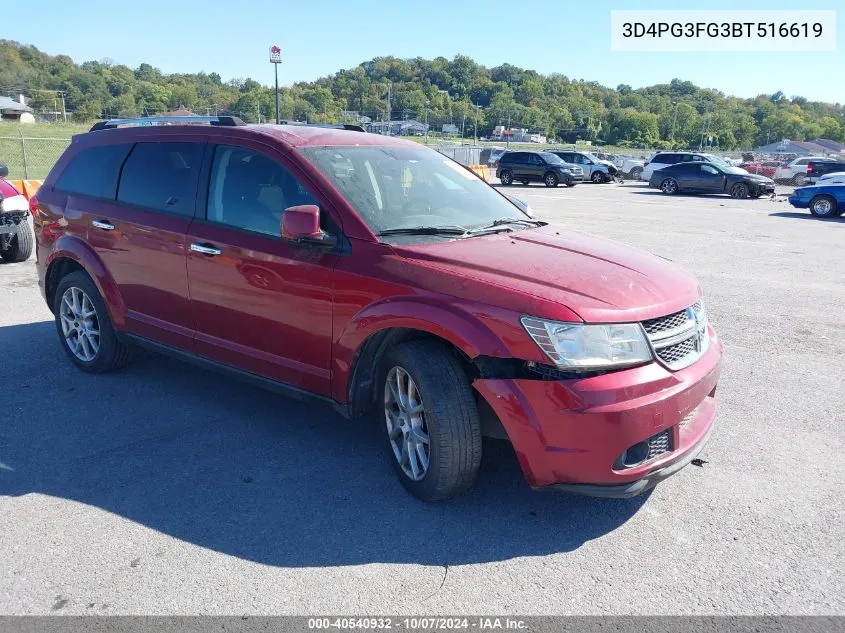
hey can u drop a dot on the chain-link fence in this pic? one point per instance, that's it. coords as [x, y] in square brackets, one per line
[29, 157]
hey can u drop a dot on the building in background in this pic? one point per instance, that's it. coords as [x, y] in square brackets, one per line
[817, 147]
[11, 110]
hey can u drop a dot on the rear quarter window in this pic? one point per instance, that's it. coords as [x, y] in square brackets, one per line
[94, 171]
[667, 159]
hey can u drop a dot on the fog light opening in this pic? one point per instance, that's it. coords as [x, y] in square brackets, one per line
[635, 455]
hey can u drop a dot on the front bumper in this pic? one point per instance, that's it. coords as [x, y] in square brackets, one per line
[570, 434]
[798, 203]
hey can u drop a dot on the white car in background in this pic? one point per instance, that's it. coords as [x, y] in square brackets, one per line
[795, 172]
[833, 178]
[662, 159]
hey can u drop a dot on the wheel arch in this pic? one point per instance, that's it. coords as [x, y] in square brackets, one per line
[361, 346]
[69, 254]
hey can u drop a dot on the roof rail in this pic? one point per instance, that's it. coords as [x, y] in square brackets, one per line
[166, 120]
[333, 126]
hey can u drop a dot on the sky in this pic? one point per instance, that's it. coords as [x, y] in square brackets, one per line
[321, 37]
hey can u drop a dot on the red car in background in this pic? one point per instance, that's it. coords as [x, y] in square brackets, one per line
[765, 168]
[16, 239]
[386, 279]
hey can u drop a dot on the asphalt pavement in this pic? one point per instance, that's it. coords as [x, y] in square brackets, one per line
[166, 489]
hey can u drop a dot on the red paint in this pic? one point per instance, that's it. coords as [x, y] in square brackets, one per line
[299, 313]
[301, 222]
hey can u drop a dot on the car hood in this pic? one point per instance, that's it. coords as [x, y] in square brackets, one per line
[599, 280]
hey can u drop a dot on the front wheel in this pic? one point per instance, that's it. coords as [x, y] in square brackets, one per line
[431, 420]
[799, 180]
[20, 246]
[550, 179]
[597, 177]
[739, 191]
[669, 186]
[506, 177]
[824, 207]
[84, 326]
[636, 172]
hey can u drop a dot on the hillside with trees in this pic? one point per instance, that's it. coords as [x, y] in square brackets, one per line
[441, 90]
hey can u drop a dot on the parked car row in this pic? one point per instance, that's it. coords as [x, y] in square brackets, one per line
[553, 167]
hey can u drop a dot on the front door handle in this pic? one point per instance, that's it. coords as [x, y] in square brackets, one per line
[102, 224]
[205, 249]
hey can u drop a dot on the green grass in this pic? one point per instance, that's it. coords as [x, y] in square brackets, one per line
[42, 142]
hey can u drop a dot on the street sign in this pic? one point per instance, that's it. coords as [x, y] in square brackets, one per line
[275, 55]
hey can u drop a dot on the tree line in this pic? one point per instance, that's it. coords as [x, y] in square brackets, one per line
[457, 91]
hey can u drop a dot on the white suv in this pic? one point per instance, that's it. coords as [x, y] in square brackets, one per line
[795, 172]
[659, 160]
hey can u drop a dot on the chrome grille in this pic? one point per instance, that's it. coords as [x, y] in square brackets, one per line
[659, 444]
[680, 338]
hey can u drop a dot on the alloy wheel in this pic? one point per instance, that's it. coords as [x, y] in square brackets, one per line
[80, 325]
[406, 425]
[669, 186]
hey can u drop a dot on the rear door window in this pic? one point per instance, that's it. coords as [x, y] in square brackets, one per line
[161, 176]
[94, 171]
[667, 159]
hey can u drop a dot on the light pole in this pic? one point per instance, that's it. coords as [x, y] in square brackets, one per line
[276, 59]
[674, 118]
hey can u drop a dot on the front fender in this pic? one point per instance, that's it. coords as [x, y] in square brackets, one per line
[73, 248]
[449, 322]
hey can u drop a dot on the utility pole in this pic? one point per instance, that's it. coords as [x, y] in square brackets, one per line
[426, 122]
[508, 131]
[64, 110]
[674, 118]
[463, 127]
[389, 115]
[475, 130]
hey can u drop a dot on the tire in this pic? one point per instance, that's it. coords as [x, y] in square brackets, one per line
[824, 207]
[597, 177]
[636, 172]
[550, 180]
[449, 419]
[20, 248]
[739, 191]
[669, 186]
[506, 177]
[799, 180]
[112, 353]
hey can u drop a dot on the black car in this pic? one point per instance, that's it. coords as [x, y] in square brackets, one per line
[710, 178]
[542, 167]
[817, 169]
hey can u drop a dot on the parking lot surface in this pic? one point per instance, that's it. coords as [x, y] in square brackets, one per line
[166, 489]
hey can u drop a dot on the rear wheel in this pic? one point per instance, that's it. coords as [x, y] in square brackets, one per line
[739, 191]
[20, 246]
[799, 180]
[84, 327]
[431, 420]
[636, 172]
[506, 177]
[550, 179]
[824, 207]
[669, 186]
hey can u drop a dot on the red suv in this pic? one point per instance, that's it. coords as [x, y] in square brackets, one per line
[380, 276]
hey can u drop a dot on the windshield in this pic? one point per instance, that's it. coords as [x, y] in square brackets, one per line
[552, 159]
[403, 187]
[592, 157]
[732, 170]
[719, 161]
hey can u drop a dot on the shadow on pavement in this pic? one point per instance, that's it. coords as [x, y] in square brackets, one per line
[806, 216]
[252, 474]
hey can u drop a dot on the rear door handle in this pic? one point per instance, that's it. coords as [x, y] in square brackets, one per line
[102, 224]
[205, 249]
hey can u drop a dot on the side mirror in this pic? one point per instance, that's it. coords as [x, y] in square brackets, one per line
[302, 224]
[4, 171]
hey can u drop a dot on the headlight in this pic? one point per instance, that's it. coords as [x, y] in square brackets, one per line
[564, 170]
[586, 347]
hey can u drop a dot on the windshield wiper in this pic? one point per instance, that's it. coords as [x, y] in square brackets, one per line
[503, 221]
[425, 230]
